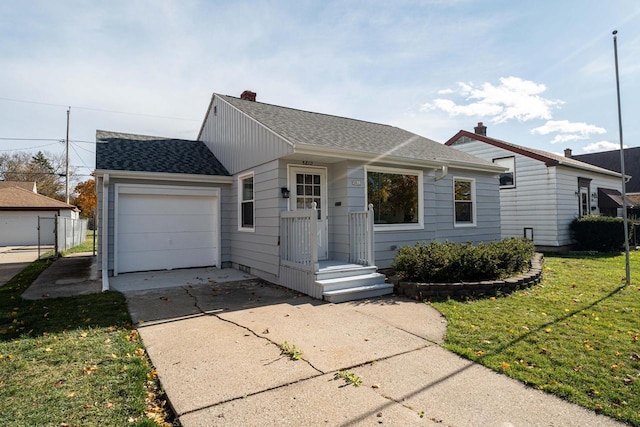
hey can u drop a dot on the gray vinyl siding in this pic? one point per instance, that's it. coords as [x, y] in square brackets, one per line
[544, 198]
[259, 249]
[238, 141]
[532, 203]
[438, 213]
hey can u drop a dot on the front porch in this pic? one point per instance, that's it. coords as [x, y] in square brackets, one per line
[331, 279]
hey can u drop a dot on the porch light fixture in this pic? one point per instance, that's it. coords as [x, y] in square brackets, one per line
[285, 192]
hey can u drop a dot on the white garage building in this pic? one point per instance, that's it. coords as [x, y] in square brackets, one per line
[28, 218]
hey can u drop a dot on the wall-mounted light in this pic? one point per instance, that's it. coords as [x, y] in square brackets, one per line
[285, 192]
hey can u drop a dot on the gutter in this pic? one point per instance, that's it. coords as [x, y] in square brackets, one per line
[164, 176]
[105, 232]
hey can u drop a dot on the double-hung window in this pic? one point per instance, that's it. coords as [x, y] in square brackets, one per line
[246, 197]
[396, 196]
[464, 201]
[508, 177]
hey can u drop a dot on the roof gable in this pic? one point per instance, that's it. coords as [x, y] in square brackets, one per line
[304, 128]
[143, 153]
[549, 159]
[16, 198]
[27, 185]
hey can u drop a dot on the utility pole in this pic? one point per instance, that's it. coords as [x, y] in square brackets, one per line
[624, 184]
[66, 184]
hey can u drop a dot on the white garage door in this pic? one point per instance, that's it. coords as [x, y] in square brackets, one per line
[166, 231]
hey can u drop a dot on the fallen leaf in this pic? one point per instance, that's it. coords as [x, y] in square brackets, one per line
[72, 394]
[505, 365]
[83, 335]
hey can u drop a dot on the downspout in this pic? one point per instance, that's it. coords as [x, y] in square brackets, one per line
[105, 232]
[444, 170]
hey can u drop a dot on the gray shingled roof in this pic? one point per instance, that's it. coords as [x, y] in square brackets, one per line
[323, 130]
[546, 156]
[143, 153]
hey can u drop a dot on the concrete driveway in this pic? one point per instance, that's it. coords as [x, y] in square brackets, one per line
[13, 259]
[217, 350]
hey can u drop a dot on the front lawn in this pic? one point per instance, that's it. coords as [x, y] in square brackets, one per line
[576, 335]
[72, 361]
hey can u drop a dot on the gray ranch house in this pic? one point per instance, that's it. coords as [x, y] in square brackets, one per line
[313, 202]
[541, 193]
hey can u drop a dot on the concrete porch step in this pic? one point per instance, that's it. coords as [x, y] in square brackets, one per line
[351, 281]
[343, 270]
[360, 292]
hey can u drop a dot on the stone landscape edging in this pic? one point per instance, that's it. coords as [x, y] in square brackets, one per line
[428, 291]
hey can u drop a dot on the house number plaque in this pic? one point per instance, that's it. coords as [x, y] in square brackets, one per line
[307, 162]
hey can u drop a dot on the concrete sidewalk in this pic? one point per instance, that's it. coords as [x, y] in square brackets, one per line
[14, 259]
[69, 276]
[216, 348]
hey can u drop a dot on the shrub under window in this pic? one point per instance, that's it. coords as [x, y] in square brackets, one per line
[463, 262]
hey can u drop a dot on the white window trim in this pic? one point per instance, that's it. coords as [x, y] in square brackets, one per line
[513, 171]
[398, 227]
[474, 206]
[241, 178]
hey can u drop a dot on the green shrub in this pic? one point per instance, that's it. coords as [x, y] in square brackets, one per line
[463, 262]
[598, 233]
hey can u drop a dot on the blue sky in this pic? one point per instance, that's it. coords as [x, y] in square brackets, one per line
[537, 73]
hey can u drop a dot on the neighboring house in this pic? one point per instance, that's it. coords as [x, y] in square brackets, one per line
[28, 218]
[611, 160]
[310, 201]
[541, 193]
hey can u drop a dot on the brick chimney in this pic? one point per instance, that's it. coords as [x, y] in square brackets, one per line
[247, 95]
[567, 152]
[480, 129]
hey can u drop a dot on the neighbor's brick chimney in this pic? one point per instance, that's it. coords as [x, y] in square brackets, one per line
[247, 95]
[480, 129]
[567, 152]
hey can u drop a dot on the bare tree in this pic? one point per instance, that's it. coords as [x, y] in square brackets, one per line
[46, 169]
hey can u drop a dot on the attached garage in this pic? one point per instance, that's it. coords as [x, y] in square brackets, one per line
[166, 227]
[159, 204]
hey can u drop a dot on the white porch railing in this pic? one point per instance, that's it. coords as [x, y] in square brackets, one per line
[361, 237]
[298, 239]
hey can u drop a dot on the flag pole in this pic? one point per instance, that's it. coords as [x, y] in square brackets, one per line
[624, 184]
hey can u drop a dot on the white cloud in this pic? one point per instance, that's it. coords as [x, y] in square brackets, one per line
[512, 99]
[602, 146]
[567, 131]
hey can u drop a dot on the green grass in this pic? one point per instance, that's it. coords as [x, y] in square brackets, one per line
[86, 246]
[72, 360]
[576, 335]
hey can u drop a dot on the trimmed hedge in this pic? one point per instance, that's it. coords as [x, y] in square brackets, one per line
[462, 262]
[598, 233]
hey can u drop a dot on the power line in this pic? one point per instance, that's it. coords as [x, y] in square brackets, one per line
[32, 139]
[28, 148]
[99, 109]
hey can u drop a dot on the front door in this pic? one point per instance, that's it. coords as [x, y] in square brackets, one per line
[584, 202]
[308, 185]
